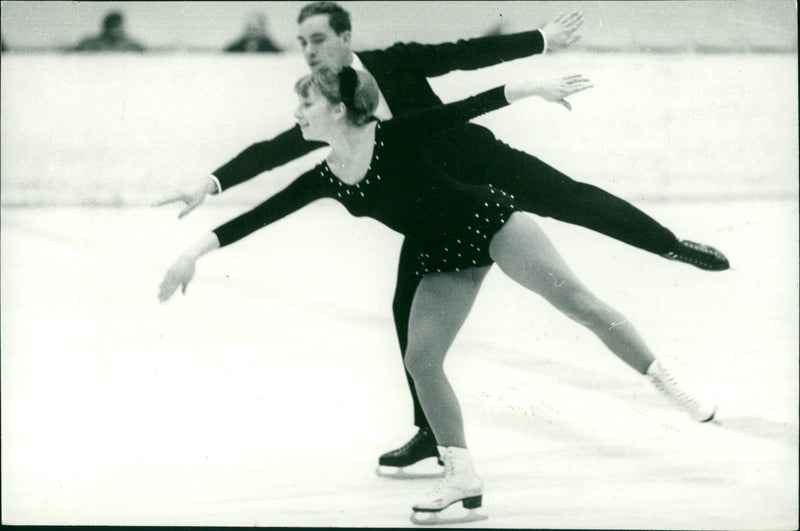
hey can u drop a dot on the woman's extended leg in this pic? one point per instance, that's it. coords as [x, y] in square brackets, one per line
[525, 253]
[441, 305]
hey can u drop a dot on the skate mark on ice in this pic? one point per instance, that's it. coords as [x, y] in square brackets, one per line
[783, 432]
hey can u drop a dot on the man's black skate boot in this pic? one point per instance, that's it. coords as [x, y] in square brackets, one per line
[421, 446]
[698, 255]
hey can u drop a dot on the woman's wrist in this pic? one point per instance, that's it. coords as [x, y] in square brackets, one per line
[520, 90]
[208, 243]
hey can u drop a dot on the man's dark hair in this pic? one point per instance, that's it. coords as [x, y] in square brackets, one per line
[338, 18]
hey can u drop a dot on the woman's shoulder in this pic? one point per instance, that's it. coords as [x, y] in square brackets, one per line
[315, 177]
[386, 128]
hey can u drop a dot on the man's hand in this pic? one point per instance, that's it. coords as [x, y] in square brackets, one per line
[560, 33]
[554, 91]
[192, 195]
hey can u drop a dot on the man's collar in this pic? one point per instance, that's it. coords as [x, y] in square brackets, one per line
[357, 64]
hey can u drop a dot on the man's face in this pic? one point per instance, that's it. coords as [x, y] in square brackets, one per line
[321, 45]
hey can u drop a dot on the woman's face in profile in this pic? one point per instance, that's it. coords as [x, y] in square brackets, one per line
[314, 114]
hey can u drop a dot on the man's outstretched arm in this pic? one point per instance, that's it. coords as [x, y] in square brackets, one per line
[256, 159]
[561, 32]
[438, 59]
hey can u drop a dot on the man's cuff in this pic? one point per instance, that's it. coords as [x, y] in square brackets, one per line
[216, 182]
[544, 39]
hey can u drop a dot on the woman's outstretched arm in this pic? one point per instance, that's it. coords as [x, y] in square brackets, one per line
[443, 117]
[553, 90]
[299, 193]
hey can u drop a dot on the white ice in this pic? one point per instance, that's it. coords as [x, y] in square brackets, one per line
[265, 395]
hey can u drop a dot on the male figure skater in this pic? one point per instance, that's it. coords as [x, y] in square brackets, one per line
[401, 71]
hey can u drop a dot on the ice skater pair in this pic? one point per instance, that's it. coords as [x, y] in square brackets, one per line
[380, 169]
[469, 153]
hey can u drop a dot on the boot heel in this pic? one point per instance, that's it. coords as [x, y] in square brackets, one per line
[472, 502]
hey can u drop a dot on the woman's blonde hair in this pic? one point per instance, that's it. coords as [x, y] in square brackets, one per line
[357, 89]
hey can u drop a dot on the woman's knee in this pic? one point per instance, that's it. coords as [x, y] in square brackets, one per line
[415, 363]
[421, 364]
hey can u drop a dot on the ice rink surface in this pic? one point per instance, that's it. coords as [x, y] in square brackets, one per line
[265, 395]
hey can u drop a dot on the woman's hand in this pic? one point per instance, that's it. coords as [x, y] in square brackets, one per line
[180, 274]
[554, 91]
[182, 271]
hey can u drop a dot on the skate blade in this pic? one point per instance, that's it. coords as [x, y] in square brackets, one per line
[436, 518]
[710, 418]
[425, 469]
[401, 473]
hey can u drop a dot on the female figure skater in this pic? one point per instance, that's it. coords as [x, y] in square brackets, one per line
[377, 169]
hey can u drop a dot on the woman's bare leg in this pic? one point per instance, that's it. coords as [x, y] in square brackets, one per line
[441, 305]
[526, 255]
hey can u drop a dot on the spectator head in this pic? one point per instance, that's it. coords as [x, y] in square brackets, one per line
[114, 25]
[255, 25]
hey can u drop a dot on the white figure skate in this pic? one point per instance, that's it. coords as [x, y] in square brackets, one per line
[460, 484]
[662, 380]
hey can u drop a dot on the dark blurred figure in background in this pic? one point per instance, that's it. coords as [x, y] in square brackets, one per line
[497, 29]
[255, 38]
[112, 37]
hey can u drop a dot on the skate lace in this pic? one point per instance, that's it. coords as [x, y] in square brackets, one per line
[444, 483]
[667, 384]
[699, 247]
[419, 435]
[672, 255]
[695, 254]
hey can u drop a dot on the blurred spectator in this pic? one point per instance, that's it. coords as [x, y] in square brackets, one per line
[2, 45]
[112, 37]
[255, 38]
[497, 29]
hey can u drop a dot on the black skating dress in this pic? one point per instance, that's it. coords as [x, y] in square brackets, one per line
[452, 222]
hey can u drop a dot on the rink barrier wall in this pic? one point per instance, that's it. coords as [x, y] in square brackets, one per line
[122, 130]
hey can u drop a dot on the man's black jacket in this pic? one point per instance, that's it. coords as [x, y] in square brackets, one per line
[401, 72]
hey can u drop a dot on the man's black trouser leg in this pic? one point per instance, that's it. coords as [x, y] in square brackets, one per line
[407, 282]
[541, 189]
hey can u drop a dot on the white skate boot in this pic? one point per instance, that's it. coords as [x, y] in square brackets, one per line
[460, 484]
[663, 381]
